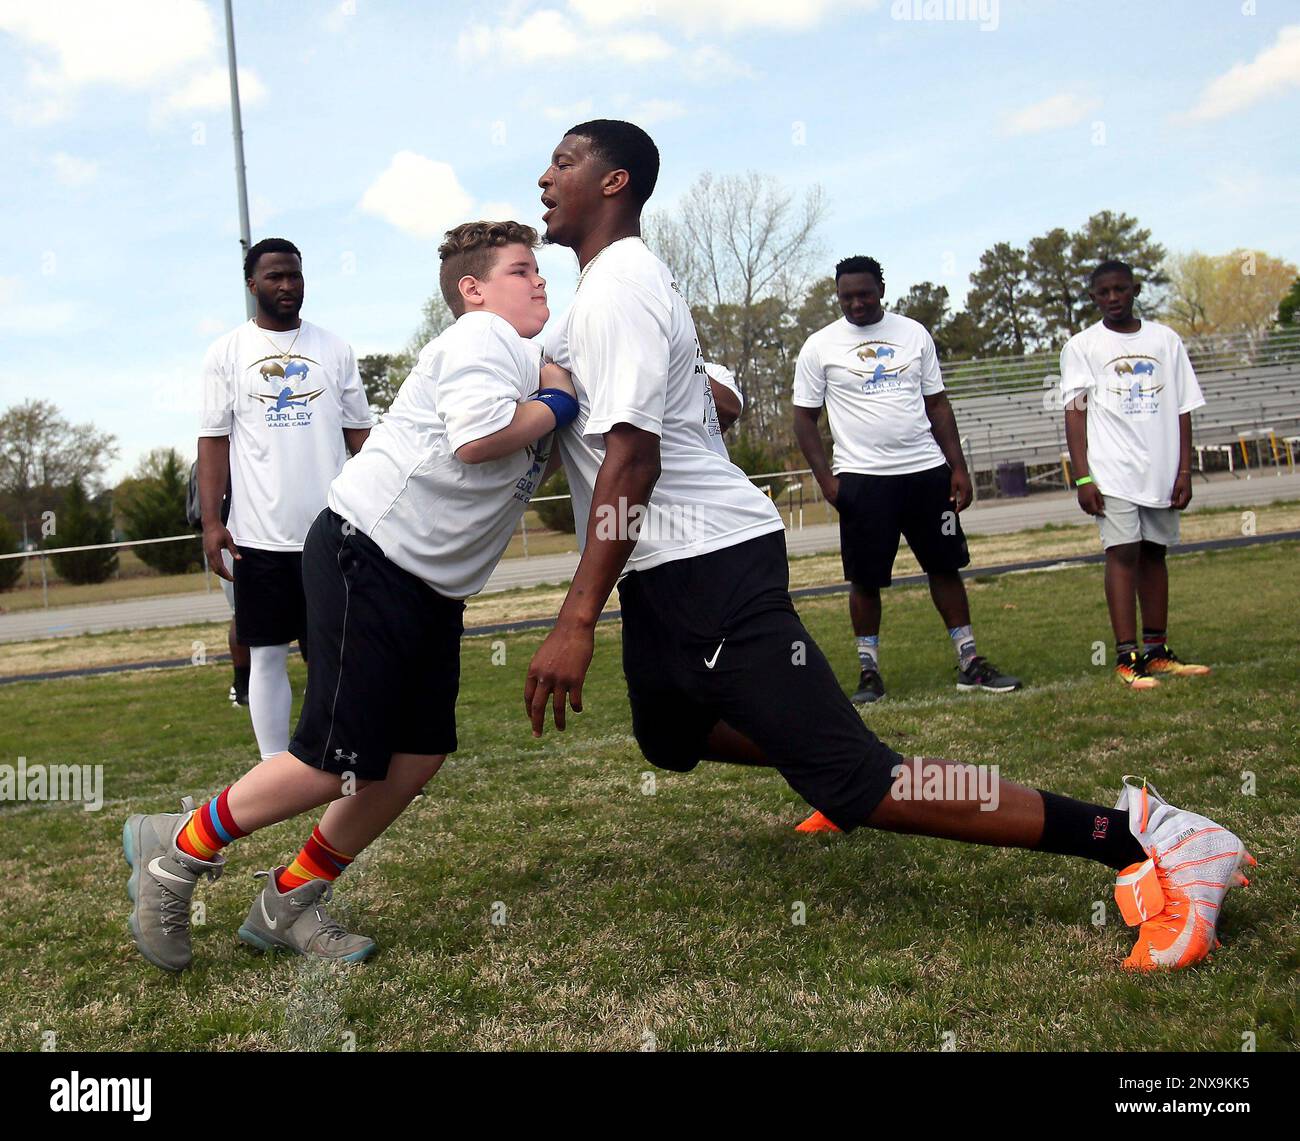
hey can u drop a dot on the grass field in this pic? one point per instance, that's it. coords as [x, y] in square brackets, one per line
[666, 918]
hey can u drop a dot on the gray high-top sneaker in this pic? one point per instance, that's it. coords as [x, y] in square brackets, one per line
[161, 885]
[297, 921]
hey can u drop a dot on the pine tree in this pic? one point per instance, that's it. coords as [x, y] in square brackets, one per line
[153, 506]
[10, 569]
[80, 523]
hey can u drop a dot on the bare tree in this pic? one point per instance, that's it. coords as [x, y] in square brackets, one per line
[744, 251]
[41, 450]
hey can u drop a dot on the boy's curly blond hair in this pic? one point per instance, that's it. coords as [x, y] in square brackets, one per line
[470, 249]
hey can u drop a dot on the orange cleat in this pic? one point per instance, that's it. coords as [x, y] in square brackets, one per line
[1132, 671]
[1164, 662]
[817, 823]
[1174, 896]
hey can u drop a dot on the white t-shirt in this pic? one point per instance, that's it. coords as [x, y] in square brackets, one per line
[725, 377]
[285, 420]
[1137, 385]
[447, 522]
[629, 341]
[873, 380]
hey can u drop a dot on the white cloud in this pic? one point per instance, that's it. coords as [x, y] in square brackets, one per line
[504, 211]
[31, 318]
[545, 35]
[549, 35]
[713, 63]
[211, 326]
[72, 171]
[418, 195]
[167, 46]
[638, 47]
[712, 15]
[570, 112]
[1271, 72]
[133, 43]
[209, 90]
[653, 111]
[340, 15]
[1051, 114]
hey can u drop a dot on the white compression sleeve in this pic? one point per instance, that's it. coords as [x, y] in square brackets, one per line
[269, 698]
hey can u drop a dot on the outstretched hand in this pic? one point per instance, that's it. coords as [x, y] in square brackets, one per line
[556, 674]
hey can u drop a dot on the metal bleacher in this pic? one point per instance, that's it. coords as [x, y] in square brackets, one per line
[1008, 408]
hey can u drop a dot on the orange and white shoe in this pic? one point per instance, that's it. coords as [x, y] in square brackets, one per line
[817, 823]
[1163, 662]
[1131, 669]
[1176, 893]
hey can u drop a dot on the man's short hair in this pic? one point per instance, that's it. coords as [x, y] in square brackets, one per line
[860, 264]
[267, 246]
[470, 249]
[625, 146]
[1112, 265]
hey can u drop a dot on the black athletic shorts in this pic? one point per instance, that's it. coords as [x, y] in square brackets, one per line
[716, 638]
[269, 606]
[384, 670]
[876, 509]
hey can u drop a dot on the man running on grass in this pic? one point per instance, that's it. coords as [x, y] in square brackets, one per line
[718, 665]
[1129, 391]
[415, 524]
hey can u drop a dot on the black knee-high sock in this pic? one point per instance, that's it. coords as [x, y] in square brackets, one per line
[1076, 828]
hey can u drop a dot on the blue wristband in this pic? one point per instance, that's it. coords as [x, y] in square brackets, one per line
[564, 406]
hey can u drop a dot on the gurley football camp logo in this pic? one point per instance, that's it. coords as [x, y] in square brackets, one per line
[286, 396]
[1135, 384]
[881, 373]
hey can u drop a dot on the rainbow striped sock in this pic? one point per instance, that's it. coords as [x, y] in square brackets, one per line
[316, 861]
[210, 829]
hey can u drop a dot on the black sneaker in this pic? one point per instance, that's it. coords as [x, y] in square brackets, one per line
[238, 696]
[870, 688]
[983, 674]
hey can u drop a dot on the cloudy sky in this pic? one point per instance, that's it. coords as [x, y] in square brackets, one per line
[372, 125]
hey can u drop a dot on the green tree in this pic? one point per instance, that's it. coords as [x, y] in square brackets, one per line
[1106, 236]
[1289, 305]
[382, 375]
[1059, 263]
[152, 503]
[927, 303]
[963, 338]
[10, 569]
[80, 522]
[558, 514]
[42, 451]
[435, 317]
[745, 255]
[1000, 300]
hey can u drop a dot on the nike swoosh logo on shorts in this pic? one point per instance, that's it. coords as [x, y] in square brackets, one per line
[711, 662]
[163, 873]
[271, 923]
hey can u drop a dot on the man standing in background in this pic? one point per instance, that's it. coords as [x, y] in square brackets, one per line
[283, 406]
[899, 469]
[1129, 391]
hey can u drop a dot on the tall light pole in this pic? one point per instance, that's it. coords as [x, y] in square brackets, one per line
[245, 238]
